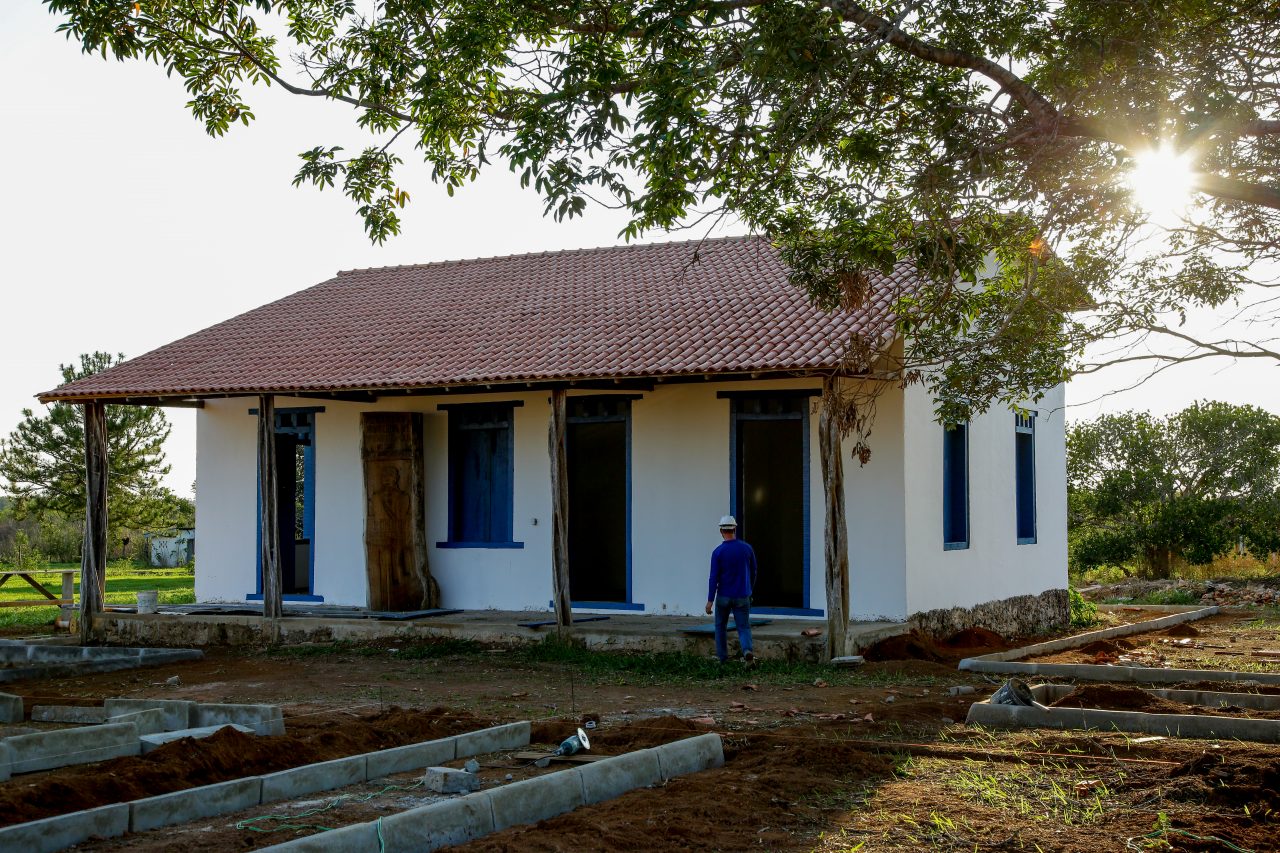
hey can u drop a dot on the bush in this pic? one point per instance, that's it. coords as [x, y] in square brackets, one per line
[1084, 614]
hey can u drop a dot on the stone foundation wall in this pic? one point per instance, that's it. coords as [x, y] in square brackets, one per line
[1020, 616]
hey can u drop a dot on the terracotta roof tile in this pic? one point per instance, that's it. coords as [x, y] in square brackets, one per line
[632, 311]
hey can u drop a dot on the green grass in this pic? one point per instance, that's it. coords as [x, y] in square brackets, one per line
[124, 581]
[1172, 595]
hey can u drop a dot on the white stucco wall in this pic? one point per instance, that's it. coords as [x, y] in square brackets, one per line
[994, 566]
[226, 506]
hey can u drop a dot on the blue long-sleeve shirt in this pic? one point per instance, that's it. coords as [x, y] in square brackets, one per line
[733, 570]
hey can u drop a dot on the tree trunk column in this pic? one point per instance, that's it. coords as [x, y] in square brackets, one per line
[559, 510]
[268, 520]
[837, 534]
[93, 559]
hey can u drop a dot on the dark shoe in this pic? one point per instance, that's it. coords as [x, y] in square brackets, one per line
[749, 659]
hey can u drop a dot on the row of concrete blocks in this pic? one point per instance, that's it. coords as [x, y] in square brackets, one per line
[14, 651]
[56, 833]
[81, 664]
[456, 821]
[133, 727]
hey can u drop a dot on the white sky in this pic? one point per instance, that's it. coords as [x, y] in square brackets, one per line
[123, 226]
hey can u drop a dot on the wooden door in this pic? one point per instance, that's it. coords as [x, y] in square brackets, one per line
[395, 536]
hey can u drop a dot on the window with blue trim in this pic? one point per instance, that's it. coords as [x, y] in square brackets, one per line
[481, 474]
[1024, 458]
[955, 487]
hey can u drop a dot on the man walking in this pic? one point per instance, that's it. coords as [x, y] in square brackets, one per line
[733, 576]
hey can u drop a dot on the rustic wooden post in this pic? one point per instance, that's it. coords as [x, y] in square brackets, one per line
[559, 511]
[93, 554]
[837, 534]
[268, 522]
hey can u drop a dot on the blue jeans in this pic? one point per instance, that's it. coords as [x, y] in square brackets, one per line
[741, 608]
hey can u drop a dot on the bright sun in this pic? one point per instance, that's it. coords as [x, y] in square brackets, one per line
[1162, 181]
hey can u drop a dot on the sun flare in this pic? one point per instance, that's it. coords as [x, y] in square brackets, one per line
[1162, 181]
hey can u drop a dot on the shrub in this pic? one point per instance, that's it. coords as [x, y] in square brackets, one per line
[1084, 614]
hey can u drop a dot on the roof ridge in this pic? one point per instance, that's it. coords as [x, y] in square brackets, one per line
[586, 250]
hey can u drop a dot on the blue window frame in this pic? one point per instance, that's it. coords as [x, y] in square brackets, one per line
[481, 475]
[955, 487]
[1024, 457]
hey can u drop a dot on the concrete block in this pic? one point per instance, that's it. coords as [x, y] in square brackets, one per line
[177, 712]
[438, 825]
[5, 762]
[149, 722]
[356, 838]
[264, 719]
[415, 756]
[83, 715]
[10, 708]
[153, 741]
[446, 780]
[311, 778]
[194, 803]
[57, 833]
[690, 755]
[536, 799]
[496, 739]
[47, 750]
[611, 777]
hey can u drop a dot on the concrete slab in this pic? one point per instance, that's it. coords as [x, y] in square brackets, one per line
[57, 833]
[177, 712]
[149, 722]
[496, 739]
[438, 825]
[194, 803]
[536, 799]
[10, 708]
[84, 715]
[447, 780]
[611, 777]
[415, 756]
[153, 741]
[311, 778]
[1173, 725]
[356, 838]
[6, 761]
[47, 750]
[690, 755]
[264, 719]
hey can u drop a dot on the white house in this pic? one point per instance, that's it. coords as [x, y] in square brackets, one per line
[411, 426]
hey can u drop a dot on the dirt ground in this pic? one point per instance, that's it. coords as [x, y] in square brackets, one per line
[816, 759]
[1237, 641]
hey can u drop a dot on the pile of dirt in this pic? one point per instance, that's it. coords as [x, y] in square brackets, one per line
[752, 803]
[1105, 647]
[1181, 630]
[1114, 698]
[975, 638]
[227, 754]
[1240, 784]
[911, 646]
[613, 739]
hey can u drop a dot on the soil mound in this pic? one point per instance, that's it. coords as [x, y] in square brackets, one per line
[1181, 630]
[1241, 784]
[975, 638]
[1112, 698]
[912, 646]
[640, 734]
[1105, 647]
[227, 754]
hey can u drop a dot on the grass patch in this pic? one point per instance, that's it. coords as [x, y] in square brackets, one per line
[1170, 595]
[124, 582]
[1051, 790]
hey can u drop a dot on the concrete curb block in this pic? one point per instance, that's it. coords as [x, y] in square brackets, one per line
[1173, 725]
[412, 757]
[263, 719]
[177, 712]
[1079, 640]
[84, 715]
[311, 778]
[194, 803]
[496, 739]
[47, 750]
[149, 722]
[6, 761]
[455, 821]
[10, 708]
[1098, 672]
[56, 833]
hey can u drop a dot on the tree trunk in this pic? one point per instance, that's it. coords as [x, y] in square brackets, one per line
[837, 536]
[268, 522]
[93, 560]
[559, 511]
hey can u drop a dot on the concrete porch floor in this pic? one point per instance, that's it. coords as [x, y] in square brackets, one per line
[194, 625]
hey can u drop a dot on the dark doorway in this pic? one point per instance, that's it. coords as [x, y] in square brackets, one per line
[770, 461]
[597, 440]
[295, 500]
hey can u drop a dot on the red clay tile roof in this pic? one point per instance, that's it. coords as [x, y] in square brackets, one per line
[629, 311]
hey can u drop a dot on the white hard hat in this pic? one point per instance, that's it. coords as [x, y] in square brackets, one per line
[728, 521]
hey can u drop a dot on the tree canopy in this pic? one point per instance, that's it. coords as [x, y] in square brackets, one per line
[42, 460]
[940, 132]
[1190, 487]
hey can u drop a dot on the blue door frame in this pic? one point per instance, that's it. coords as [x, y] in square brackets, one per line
[736, 416]
[300, 422]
